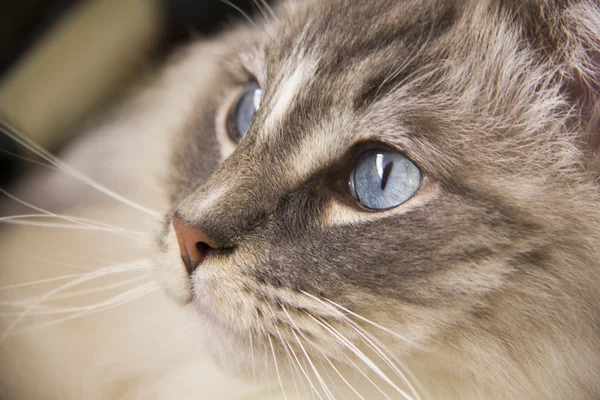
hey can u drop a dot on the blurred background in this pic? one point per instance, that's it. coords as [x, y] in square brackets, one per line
[64, 61]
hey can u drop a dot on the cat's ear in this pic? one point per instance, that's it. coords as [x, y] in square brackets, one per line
[579, 48]
[583, 91]
[568, 33]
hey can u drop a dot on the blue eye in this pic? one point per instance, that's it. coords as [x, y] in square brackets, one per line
[384, 179]
[242, 114]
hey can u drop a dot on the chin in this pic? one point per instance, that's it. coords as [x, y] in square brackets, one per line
[229, 348]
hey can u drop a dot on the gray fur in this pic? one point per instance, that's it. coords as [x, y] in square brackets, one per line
[492, 270]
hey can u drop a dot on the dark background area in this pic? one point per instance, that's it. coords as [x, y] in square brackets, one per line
[25, 22]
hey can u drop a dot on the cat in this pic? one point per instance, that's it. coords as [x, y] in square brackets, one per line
[375, 199]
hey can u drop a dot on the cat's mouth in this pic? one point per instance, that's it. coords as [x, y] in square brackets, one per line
[209, 308]
[202, 303]
[204, 309]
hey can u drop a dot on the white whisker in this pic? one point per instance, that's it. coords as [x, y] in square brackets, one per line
[277, 367]
[368, 321]
[263, 7]
[368, 378]
[93, 225]
[114, 302]
[260, 9]
[41, 281]
[252, 356]
[311, 392]
[49, 213]
[361, 355]
[293, 369]
[267, 371]
[31, 145]
[269, 8]
[310, 383]
[379, 348]
[28, 301]
[246, 16]
[39, 224]
[53, 310]
[283, 343]
[49, 261]
[105, 263]
[29, 160]
[319, 378]
[58, 310]
[324, 368]
[344, 379]
[84, 223]
[376, 346]
[86, 277]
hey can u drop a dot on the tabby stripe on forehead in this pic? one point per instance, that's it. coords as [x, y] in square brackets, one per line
[287, 91]
[378, 50]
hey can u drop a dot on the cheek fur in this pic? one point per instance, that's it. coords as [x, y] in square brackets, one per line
[436, 279]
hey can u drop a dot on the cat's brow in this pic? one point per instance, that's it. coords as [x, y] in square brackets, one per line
[317, 150]
[287, 90]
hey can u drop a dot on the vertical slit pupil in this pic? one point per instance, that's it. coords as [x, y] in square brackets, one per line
[386, 174]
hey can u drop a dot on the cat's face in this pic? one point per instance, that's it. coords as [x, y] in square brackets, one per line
[408, 161]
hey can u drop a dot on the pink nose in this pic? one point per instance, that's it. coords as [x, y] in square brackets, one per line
[193, 244]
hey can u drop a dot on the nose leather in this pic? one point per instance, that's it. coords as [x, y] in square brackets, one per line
[193, 244]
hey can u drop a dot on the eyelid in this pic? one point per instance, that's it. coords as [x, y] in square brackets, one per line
[251, 67]
[226, 144]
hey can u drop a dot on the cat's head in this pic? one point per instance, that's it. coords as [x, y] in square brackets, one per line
[423, 165]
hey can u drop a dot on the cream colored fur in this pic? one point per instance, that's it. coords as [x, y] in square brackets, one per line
[498, 335]
[142, 349]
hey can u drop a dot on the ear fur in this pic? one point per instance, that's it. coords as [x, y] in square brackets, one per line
[580, 25]
[567, 34]
[585, 92]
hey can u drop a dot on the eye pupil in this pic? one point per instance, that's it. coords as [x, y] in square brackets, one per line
[384, 179]
[386, 174]
[242, 113]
